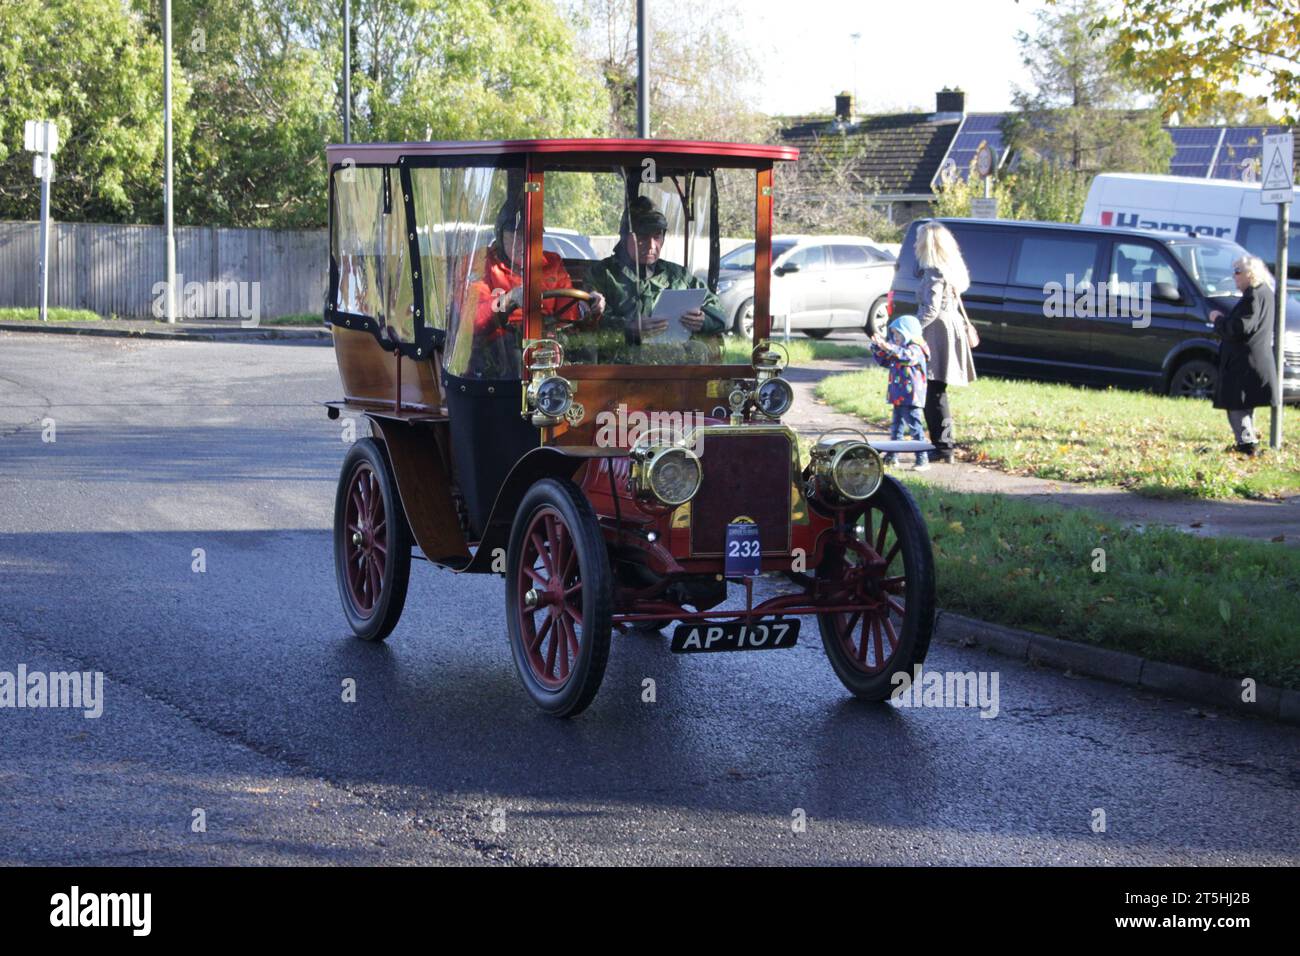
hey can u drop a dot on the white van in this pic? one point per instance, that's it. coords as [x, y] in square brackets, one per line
[1222, 208]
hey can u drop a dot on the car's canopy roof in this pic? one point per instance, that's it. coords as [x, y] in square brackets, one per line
[692, 152]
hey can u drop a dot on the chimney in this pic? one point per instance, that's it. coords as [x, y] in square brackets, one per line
[948, 101]
[844, 107]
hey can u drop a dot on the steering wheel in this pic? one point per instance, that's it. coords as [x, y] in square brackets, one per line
[573, 295]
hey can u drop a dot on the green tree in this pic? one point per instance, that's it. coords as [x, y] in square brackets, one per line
[92, 67]
[954, 198]
[1077, 115]
[1190, 51]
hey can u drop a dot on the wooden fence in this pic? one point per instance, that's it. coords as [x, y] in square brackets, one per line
[117, 270]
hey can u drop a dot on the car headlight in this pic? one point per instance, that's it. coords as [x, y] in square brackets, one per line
[774, 397]
[726, 285]
[550, 397]
[847, 470]
[671, 475]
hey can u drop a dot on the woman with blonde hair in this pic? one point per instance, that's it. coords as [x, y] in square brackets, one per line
[1247, 375]
[948, 333]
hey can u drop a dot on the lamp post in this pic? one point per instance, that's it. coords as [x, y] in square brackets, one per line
[642, 71]
[855, 37]
[169, 290]
[347, 71]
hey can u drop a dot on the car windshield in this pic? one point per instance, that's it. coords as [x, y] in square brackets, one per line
[741, 259]
[652, 228]
[1210, 265]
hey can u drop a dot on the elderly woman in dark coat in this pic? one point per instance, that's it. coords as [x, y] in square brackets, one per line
[944, 327]
[1247, 374]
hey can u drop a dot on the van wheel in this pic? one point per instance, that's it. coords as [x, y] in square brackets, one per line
[1195, 378]
[878, 317]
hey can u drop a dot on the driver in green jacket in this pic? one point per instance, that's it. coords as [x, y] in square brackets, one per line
[632, 278]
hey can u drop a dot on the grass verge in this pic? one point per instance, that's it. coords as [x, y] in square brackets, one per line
[1218, 604]
[54, 315]
[312, 319]
[802, 351]
[1150, 444]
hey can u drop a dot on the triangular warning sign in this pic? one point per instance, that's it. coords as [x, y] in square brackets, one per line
[1276, 177]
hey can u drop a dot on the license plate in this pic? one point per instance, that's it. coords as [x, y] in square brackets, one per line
[744, 554]
[735, 636]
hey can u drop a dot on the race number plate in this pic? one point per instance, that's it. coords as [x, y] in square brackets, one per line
[744, 555]
[735, 636]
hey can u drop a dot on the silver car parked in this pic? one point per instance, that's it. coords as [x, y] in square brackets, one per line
[819, 284]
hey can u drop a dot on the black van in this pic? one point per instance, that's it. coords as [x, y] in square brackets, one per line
[1051, 301]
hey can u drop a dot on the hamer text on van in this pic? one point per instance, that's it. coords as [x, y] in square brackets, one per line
[1130, 220]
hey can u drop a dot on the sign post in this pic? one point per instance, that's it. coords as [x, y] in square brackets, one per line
[1277, 186]
[984, 166]
[41, 137]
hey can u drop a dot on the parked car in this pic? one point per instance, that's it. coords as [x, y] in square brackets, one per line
[819, 283]
[1031, 328]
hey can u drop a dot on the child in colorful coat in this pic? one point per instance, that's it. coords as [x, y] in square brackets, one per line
[906, 356]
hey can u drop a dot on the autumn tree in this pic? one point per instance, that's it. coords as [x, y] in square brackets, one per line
[1189, 51]
[826, 190]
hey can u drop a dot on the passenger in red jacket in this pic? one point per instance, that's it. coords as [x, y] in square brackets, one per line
[498, 294]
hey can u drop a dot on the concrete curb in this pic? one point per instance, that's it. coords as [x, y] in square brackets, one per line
[266, 333]
[1213, 690]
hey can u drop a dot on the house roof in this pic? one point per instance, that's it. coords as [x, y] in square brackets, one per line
[903, 151]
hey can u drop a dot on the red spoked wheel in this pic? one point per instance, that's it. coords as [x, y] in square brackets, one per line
[884, 562]
[558, 594]
[372, 543]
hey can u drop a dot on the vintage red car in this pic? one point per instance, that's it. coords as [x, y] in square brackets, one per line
[579, 424]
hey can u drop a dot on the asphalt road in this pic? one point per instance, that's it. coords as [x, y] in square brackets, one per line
[223, 689]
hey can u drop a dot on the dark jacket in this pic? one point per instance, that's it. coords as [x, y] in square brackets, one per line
[1247, 373]
[630, 290]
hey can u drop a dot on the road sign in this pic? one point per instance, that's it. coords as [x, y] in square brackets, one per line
[984, 208]
[1278, 169]
[984, 161]
[42, 168]
[40, 136]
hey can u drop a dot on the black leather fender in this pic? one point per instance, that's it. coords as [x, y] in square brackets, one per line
[548, 461]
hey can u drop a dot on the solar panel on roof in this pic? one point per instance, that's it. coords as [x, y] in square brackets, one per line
[1194, 137]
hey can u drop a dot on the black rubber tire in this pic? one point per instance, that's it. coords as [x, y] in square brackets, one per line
[816, 333]
[738, 320]
[1194, 378]
[877, 317]
[378, 622]
[593, 570]
[917, 625]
